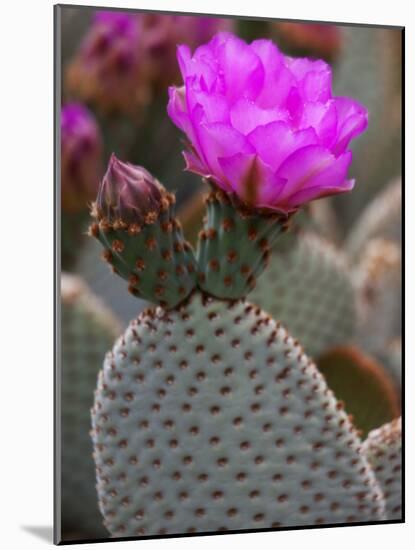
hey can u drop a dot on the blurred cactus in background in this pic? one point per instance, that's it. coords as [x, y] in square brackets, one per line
[364, 384]
[81, 166]
[310, 40]
[109, 70]
[378, 283]
[88, 329]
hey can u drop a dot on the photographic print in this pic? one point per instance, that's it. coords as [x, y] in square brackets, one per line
[229, 260]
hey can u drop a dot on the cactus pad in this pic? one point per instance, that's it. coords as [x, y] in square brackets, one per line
[309, 289]
[88, 329]
[383, 448]
[210, 417]
[153, 256]
[367, 389]
[234, 246]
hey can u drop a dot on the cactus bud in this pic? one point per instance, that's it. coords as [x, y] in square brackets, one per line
[143, 241]
[128, 193]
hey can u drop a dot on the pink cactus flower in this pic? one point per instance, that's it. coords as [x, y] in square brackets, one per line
[262, 125]
[81, 156]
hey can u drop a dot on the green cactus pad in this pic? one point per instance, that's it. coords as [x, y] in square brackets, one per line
[368, 391]
[234, 246]
[378, 281]
[157, 262]
[382, 218]
[210, 417]
[309, 289]
[383, 449]
[87, 331]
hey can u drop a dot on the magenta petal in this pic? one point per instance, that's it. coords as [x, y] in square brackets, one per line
[194, 164]
[251, 179]
[317, 85]
[184, 57]
[246, 115]
[276, 141]
[323, 118]
[334, 174]
[303, 165]
[354, 126]
[278, 79]
[352, 121]
[176, 108]
[301, 66]
[235, 169]
[215, 106]
[242, 69]
[220, 140]
[313, 193]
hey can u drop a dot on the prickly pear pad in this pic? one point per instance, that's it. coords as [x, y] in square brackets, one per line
[210, 417]
[153, 257]
[234, 246]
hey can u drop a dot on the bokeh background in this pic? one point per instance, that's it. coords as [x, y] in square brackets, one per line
[115, 73]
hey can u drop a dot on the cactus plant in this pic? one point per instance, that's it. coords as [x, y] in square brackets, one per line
[383, 448]
[208, 415]
[88, 329]
[367, 388]
[310, 289]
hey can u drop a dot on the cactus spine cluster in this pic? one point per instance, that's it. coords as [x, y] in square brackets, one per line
[208, 415]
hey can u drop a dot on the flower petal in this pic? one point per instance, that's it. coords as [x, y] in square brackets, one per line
[220, 140]
[251, 179]
[352, 121]
[313, 78]
[245, 115]
[242, 69]
[274, 142]
[310, 166]
[278, 79]
[176, 108]
[313, 193]
[323, 118]
[195, 165]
